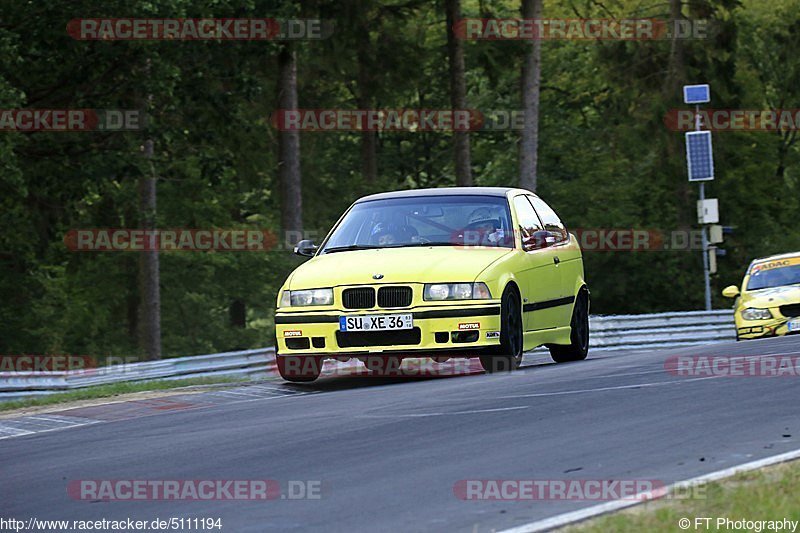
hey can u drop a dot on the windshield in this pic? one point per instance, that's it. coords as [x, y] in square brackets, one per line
[424, 220]
[774, 274]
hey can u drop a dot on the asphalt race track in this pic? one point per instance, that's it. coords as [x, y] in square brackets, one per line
[388, 451]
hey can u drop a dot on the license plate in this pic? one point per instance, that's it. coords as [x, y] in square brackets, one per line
[375, 322]
[793, 325]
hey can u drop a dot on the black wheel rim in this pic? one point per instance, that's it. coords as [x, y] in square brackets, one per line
[581, 326]
[514, 329]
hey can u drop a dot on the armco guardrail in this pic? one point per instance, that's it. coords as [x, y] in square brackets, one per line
[661, 330]
[242, 363]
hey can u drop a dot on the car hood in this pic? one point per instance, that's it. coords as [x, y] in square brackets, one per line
[396, 265]
[763, 298]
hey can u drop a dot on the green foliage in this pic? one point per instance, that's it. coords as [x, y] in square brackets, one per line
[606, 158]
[759, 495]
[119, 389]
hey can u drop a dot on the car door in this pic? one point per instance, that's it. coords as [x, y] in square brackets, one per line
[540, 276]
[566, 255]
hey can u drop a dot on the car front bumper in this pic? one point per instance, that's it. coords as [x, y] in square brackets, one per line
[758, 329]
[446, 330]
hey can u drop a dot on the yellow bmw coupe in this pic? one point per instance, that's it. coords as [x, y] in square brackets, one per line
[453, 272]
[769, 301]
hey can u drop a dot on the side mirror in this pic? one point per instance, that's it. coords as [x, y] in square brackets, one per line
[540, 239]
[731, 291]
[306, 248]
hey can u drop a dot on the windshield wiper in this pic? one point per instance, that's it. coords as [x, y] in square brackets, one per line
[409, 244]
[350, 247]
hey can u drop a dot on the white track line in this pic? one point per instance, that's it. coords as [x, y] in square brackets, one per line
[603, 508]
[59, 428]
[603, 389]
[8, 431]
[423, 415]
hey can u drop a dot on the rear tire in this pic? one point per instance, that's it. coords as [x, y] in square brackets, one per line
[508, 356]
[299, 369]
[578, 348]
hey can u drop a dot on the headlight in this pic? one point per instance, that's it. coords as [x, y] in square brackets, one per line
[456, 291]
[751, 313]
[307, 297]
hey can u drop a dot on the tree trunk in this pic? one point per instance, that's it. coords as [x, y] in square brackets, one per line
[149, 275]
[237, 312]
[458, 92]
[531, 86]
[366, 91]
[369, 139]
[289, 148]
[134, 296]
[676, 77]
[675, 70]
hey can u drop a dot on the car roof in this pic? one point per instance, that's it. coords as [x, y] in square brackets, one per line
[775, 257]
[443, 191]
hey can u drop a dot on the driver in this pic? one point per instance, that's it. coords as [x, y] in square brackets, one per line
[383, 234]
[483, 228]
[392, 230]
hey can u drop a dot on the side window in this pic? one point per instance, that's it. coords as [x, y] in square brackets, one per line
[528, 222]
[549, 218]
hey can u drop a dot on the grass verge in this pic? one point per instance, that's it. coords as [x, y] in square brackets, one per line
[766, 494]
[114, 389]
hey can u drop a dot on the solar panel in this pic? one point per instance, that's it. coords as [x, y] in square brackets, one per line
[699, 156]
[696, 94]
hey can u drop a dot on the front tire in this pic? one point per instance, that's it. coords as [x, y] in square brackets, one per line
[508, 356]
[578, 348]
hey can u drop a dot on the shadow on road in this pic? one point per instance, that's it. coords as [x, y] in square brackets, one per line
[351, 375]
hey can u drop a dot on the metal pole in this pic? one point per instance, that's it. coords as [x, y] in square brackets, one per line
[703, 233]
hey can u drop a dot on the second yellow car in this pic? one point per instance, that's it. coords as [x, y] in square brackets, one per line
[768, 303]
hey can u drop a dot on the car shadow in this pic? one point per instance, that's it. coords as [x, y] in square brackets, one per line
[353, 375]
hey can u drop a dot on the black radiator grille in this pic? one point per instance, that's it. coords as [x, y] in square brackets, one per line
[361, 339]
[394, 296]
[359, 298]
[791, 310]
